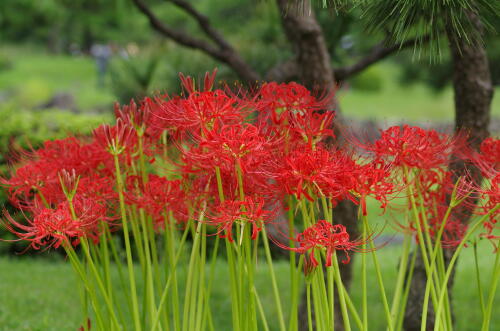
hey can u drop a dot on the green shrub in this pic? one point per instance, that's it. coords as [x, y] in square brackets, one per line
[31, 128]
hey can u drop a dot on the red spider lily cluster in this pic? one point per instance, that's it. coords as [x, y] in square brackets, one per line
[214, 162]
[284, 151]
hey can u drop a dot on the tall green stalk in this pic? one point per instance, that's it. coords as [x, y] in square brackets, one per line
[128, 250]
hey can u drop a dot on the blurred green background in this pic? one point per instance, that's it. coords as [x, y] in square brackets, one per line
[50, 87]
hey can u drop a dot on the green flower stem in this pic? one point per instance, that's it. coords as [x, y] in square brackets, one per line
[492, 291]
[340, 290]
[319, 312]
[274, 283]
[136, 234]
[85, 247]
[169, 279]
[234, 287]
[330, 274]
[152, 268]
[213, 262]
[293, 322]
[422, 243]
[331, 295]
[380, 281]
[172, 271]
[293, 325]
[192, 271]
[118, 263]
[403, 265]
[99, 281]
[202, 286]
[454, 260]
[364, 287]
[150, 292]
[80, 270]
[230, 258]
[261, 310]
[309, 310]
[220, 188]
[352, 309]
[103, 243]
[435, 252]
[130, 261]
[246, 257]
[447, 305]
[82, 291]
[323, 296]
[404, 301]
[107, 272]
[478, 280]
[42, 197]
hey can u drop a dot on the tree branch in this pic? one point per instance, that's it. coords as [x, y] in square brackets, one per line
[203, 22]
[377, 53]
[222, 51]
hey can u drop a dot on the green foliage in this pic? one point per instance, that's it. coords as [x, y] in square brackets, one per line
[132, 78]
[62, 22]
[422, 19]
[5, 63]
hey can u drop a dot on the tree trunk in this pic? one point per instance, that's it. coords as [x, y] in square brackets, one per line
[316, 73]
[473, 92]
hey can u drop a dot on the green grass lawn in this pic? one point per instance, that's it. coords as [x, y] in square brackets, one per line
[395, 101]
[35, 76]
[36, 294]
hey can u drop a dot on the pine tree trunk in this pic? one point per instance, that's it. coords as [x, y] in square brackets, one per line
[473, 93]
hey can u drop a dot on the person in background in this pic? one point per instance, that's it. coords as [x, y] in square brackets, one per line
[101, 53]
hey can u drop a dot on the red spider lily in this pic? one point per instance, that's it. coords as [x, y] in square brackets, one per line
[373, 179]
[132, 115]
[488, 159]
[491, 198]
[201, 111]
[157, 197]
[69, 182]
[412, 146]
[274, 98]
[99, 189]
[315, 173]
[331, 237]
[490, 152]
[295, 113]
[312, 126]
[143, 118]
[53, 227]
[115, 139]
[189, 85]
[40, 173]
[250, 211]
[228, 146]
